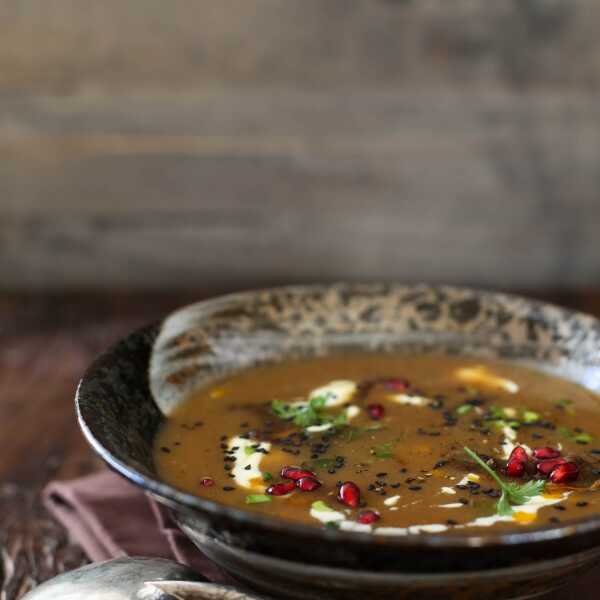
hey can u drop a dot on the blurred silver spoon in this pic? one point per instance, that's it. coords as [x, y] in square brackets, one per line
[134, 579]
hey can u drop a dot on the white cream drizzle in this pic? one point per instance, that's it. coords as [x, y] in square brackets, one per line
[469, 478]
[327, 516]
[481, 375]
[509, 433]
[243, 477]
[410, 400]
[336, 392]
[391, 500]
[530, 507]
[352, 411]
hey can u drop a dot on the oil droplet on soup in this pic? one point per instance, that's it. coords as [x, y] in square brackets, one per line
[390, 444]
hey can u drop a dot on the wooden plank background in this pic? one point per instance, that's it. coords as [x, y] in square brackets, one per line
[246, 142]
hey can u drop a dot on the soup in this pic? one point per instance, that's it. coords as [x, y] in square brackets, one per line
[390, 444]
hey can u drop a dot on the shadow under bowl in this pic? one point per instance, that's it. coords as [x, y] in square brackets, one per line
[120, 417]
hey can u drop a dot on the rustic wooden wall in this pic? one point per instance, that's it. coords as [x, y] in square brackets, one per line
[243, 142]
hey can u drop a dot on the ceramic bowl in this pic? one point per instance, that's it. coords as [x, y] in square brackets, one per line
[118, 413]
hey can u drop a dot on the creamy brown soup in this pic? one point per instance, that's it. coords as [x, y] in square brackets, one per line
[376, 443]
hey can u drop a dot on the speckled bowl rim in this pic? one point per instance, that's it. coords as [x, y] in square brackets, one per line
[178, 499]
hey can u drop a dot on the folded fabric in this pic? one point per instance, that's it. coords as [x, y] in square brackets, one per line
[109, 517]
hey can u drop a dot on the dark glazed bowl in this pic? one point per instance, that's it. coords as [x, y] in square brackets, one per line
[119, 416]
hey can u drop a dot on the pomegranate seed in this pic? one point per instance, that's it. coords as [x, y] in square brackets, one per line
[281, 489]
[396, 385]
[366, 517]
[545, 467]
[564, 472]
[517, 462]
[296, 473]
[207, 482]
[308, 484]
[545, 453]
[376, 411]
[349, 494]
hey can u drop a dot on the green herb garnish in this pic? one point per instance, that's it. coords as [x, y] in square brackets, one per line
[308, 414]
[512, 493]
[579, 438]
[463, 409]
[249, 450]
[267, 476]
[383, 450]
[349, 434]
[496, 412]
[565, 404]
[320, 506]
[530, 416]
[257, 498]
[583, 438]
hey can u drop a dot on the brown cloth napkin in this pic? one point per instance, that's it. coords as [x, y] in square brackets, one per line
[109, 517]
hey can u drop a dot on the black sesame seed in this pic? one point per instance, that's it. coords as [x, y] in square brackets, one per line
[165, 449]
[463, 501]
[228, 488]
[581, 504]
[451, 522]
[381, 475]
[595, 451]
[415, 488]
[247, 467]
[559, 507]
[554, 520]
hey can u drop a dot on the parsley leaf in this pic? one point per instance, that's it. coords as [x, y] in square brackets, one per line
[353, 433]
[383, 450]
[307, 414]
[512, 493]
[257, 499]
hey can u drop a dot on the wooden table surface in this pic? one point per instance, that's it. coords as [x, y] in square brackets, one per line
[47, 341]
